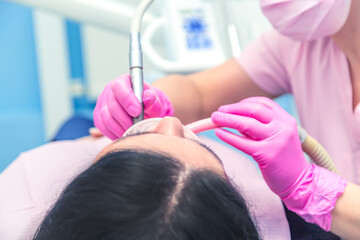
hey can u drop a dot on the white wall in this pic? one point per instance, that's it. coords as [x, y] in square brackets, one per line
[53, 67]
[247, 18]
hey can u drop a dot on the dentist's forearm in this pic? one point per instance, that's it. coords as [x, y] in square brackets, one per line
[346, 214]
[198, 95]
[184, 96]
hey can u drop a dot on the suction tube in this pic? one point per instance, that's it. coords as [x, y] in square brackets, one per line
[202, 125]
[309, 145]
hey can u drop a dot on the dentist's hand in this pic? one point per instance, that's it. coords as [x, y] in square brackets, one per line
[270, 136]
[117, 104]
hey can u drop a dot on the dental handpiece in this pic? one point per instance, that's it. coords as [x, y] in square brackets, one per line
[135, 56]
[136, 71]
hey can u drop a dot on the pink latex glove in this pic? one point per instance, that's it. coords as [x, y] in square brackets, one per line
[117, 104]
[270, 136]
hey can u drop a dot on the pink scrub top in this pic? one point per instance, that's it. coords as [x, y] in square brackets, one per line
[33, 182]
[317, 74]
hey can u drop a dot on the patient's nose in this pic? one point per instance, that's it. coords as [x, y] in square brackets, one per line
[170, 126]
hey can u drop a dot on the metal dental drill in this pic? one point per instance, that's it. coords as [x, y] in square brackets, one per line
[135, 56]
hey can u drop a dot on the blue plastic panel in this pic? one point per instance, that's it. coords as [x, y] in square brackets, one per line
[21, 124]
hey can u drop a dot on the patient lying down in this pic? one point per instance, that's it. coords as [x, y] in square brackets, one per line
[161, 184]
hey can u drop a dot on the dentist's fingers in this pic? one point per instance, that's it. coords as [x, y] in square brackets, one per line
[118, 112]
[101, 100]
[124, 93]
[277, 112]
[261, 100]
[245, 125]
[99, 123]
[111, 126]
[244, 144]
[152, 104]
[250, 109]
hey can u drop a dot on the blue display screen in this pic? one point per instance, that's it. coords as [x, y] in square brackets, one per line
[196, 31]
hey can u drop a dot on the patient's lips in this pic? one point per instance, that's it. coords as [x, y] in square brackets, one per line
[149, 125]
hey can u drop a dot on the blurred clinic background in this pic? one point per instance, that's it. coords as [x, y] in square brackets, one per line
[57, 55]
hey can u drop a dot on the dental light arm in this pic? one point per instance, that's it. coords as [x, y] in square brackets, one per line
[135, 55]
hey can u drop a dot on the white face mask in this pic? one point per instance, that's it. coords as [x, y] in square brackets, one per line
[306, 20]
[149, 125]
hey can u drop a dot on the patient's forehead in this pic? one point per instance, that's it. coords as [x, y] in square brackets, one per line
[187, 151]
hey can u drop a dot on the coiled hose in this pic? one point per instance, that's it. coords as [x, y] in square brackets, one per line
[315, 151]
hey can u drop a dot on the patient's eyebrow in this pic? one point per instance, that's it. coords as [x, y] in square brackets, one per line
[207, 148]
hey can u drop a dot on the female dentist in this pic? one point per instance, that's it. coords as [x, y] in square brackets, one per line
[313, 53]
